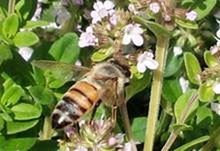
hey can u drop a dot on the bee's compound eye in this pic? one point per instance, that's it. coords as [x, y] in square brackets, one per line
[60, 121]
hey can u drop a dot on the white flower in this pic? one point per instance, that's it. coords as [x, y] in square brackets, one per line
[184, 84]
[87, 38]
[214, 49]
[113, 19]
[216, 88]
[192, 15]
[101, 10]
[26, 52]
[132, 32]
[132, 9]
[177, 50]
[216, 108]
[154, 7]
[145, 61]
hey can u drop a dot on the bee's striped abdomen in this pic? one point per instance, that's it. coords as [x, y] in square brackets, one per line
[76, 101]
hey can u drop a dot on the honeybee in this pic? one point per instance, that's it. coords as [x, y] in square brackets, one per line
[104, 82]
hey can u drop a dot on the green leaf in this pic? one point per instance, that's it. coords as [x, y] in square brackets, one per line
[10, 25]
[66, 48]
[42, 95]
[137, 85]
[185, 105]
[173, 65]
[48, 145]
[202, 7]
[193, 68]
[171, 90]
[206, 94]
[35, 24]
[102, 54]
[194, 142]
[25, 39]
[158, 30]
[210, 60]
[12, 92]
[19, 126]
[187, 24]
[138, 128]
[25, 8]
[24, 111]
[5, 53]
[17, 144]
[181, 127]
[204, 115]
[1, 123]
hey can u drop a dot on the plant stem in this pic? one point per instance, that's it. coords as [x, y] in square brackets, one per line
[11, 6]
[47, 129]
[161, 53]
[215, 137]
[183, 118]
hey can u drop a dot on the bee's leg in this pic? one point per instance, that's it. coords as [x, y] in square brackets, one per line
[94, 111]
[114, 115]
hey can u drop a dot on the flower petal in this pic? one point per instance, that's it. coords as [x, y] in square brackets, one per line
[126, 39]
[138, 40]
[216, 88]
[98, 5]
[141, 67]
[109, 5]
[151, 64]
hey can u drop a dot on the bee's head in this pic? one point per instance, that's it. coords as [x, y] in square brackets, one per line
[60, 120]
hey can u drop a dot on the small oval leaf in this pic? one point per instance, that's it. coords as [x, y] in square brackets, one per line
[206, 94]
[10, 25]
[25, 39]
[102, 54]
[210, 60]
[19, 126]
[24, 111]
[185, 105]
[66, 48]
[193, 68]
[187, 24]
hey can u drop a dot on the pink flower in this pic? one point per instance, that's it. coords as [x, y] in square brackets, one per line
[192, 15]
[132, 32]
[154, 7]
[101, 10]
[87, 38]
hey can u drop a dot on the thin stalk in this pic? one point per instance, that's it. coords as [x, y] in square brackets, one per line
[11, 6]
[164, 122]
[215, 137]
[161, 53]
[47, 131]
[183, 118]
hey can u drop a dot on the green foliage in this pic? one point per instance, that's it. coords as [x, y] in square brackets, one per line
[206, 94]
[209, 59]
[193, 68]
[202, 7]
[25, 38]
[21, 144]
[30, 88]
[186, 104]
[171, 90]
[138, 127]
[173, 65]
[102, 54]
[19, 126]
[66, 49]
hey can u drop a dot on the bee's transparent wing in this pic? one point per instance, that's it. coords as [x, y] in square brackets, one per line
[61, 70]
